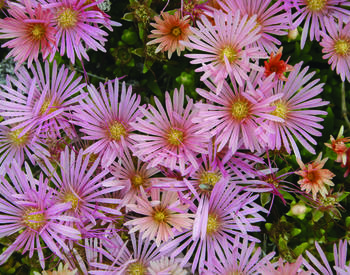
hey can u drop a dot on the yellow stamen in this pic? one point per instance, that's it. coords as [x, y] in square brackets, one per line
[213, 224]
[137, 180]
[33, 218]
[240, 109]
[210, 178]
[281, 109]
[136, 268]
[70, 197]
[342, 47]
[175, 137]
[18, 141]
[67, 18]
[45, 106]
[160, 215]
[176, 31]
[37, 31]
[230, 53]
[117, 131]
[316, 5]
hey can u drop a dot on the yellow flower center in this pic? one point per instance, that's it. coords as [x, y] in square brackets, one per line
[137, 180]
[18, 141]
[342, 47]
[70, 197]
[316, 5]
[230, 53]
[235, 273]
[210, 178]
[175, 137]
[281, 109]
[37, 31]
[67, 18]
[240, 109]
[33, 218]
[117, 131]
[45, 106]
[311, 176]
[176, 31]
[160, 215]
[213, 224]
[136, 268]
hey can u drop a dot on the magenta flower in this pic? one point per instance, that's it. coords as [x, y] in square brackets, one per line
[169, 138]
[79, 183]
[284, 268]
[164, 216]
[30, 30]
[40, 103]
[235, 114]
[297, 97]
[272, 19]
[28, 208]
[336, 46]
[239, 259]
[225, 46]
[106, 118]
[313, 13]
[78, 27]
[229, 212]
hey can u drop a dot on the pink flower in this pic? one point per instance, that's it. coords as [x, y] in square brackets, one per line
[226, 47]
[169, 138]
[28, 207]
[297, 97]
[106, 117]
[169, 31]
[165, 215]
[30, 30]
[314, 12]
[235, 114]
[284, 268]
[271, 18]
[336, 46]
[78, 27]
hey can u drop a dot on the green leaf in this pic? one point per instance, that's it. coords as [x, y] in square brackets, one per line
[265, 198]
[295, 232]
[129, 16]
[300, 248]
[317, 215]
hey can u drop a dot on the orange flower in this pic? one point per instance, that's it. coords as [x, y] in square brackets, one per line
[314, 177]
[277, 66]
[339, 147]
[169, 31]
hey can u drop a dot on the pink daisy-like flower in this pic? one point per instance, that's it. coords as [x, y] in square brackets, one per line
[169, 31]
[14, 146]
[42, 102]
[30, 30]
[340, 260]
[239, 259]
[230, 213]
[166, 265]
[81, 185]
[235, 114]
[336, 46]
[78, 27]
[284, 268]
[164, 213]
[271, 18]
[297, 97]
[169, 138]
[28, 207]
[314, 12]
[132, 174]
[106, 117]
[225, 46]
[314, 178]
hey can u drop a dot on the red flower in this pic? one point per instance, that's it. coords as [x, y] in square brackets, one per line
[277, 66]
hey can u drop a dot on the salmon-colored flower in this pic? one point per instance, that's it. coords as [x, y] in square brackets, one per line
[169, 31]
[277, 66]
[339, 147]
[314, 177]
